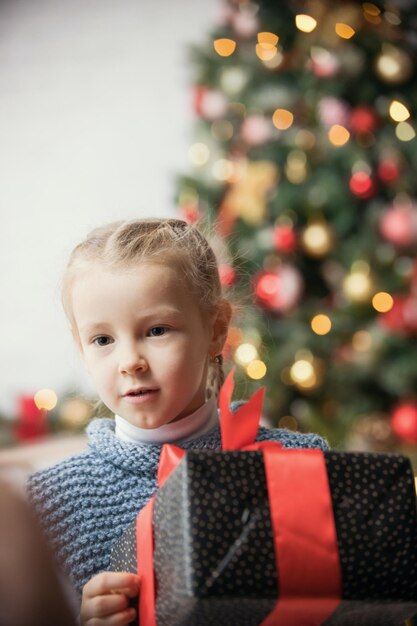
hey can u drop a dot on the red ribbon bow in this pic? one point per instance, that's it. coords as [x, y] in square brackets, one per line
[305, 549]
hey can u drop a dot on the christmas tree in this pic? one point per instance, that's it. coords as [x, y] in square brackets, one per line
[304, 160]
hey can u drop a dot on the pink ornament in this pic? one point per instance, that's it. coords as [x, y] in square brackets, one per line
[279, 291]
[333, 111]
[224, 14]
[404, 422]
[190, 212]
[208, 103]
[227, 275]
[323, 64]
[245, 23]
[398, 225]
[255, 130]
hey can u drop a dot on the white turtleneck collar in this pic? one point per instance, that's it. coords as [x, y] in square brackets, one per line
[201, 421]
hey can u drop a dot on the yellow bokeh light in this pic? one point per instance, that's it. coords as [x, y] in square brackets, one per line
[305, 139]
[224, 47]
[45, 399]
[371, 13]
[268, 40]
[296, 167]
[302, 371]
[357, 286]
[344, 30]
[282, 119]
[246, 353]
[398, 111]
[361, 341]
[371, 9]
[305, 23]
[275, 62]
[256, 370]
[382, 302]
[223, 169]
[198, 154]
[317, 239]
[338, 135]
[75, 412]
[265, 54]
[321, 324]
[405, 132]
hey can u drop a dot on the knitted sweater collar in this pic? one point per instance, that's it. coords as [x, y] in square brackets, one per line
[135, 457]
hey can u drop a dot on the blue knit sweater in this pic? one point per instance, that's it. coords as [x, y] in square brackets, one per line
[86, 502]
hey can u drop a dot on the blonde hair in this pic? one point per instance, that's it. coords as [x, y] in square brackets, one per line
[124, 244]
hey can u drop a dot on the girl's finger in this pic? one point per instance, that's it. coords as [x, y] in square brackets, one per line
[123, 618]
[104, 606]
[107, 582]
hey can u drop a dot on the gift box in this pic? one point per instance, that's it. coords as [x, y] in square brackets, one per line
[277, 537]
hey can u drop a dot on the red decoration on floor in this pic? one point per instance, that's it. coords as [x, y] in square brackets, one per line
[31, 421]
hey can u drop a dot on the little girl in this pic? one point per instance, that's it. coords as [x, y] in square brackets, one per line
[146, 310]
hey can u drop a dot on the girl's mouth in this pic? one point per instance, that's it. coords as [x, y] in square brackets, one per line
[140, 395]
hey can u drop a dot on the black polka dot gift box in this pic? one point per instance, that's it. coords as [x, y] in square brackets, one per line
[272, 536]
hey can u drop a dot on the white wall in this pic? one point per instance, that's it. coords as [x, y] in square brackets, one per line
[95, 121]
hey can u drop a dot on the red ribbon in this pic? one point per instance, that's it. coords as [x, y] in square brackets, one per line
[306, 554]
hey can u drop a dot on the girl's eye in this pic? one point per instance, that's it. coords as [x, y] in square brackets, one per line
[102, 341]
[158, 331]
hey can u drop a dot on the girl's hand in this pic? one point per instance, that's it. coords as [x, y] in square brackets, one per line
[105, 599]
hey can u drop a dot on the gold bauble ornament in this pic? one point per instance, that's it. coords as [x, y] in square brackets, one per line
[317, 238]
[393, 65]
[247, 197]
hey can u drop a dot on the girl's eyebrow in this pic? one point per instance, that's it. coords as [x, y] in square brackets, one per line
[143, 316]
[88, 328]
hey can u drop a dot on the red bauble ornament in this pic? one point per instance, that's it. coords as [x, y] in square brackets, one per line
[388, 171]
[227, 275]
[284, 238]
[404, 422]
[363, 119]
[393, 320]
[402, 317]
[362, 185]
[398, 225]
[279, 290]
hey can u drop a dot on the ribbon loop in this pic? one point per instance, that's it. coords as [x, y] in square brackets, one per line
[239, 429]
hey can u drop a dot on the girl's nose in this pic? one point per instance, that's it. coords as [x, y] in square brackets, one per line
[132, 361]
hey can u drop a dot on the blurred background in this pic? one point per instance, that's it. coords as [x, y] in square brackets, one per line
[289, 128]
[95, 123]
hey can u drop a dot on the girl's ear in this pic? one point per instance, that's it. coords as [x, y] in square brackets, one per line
[221, 323]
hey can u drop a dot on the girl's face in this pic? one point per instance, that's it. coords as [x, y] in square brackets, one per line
[144, 342]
